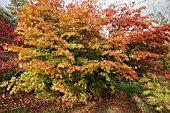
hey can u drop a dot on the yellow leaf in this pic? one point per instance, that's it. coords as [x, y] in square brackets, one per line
[168, 107]
[159, 108]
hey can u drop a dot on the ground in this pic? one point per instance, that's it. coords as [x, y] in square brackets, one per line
[121, 102]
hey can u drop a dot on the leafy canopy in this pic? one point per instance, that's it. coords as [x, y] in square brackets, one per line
[65, 51]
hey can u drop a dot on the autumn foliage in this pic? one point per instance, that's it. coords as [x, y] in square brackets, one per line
[8, 62]
[66, 52]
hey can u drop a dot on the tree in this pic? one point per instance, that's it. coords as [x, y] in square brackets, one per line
[66, 54]
[7, 28]
[13, 7]
[161, 18]
[5, 15]
[8, 64]
[160, 8]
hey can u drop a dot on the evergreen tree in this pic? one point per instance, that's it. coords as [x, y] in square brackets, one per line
[14, 8]
[5, 15]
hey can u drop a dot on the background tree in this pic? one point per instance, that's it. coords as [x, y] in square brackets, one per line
[5, 15]
[3, 56]
[8, 62]
[160, 8]
[11, 14]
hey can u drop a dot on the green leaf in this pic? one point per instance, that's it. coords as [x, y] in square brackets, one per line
[106, 76]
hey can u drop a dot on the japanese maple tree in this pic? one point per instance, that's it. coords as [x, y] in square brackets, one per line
[66, 53]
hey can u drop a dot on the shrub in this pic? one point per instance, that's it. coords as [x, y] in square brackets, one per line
[157, 91]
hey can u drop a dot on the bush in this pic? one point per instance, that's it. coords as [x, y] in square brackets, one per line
[157, 91]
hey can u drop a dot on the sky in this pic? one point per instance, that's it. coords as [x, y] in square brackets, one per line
[153, 5]
[4, 2]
